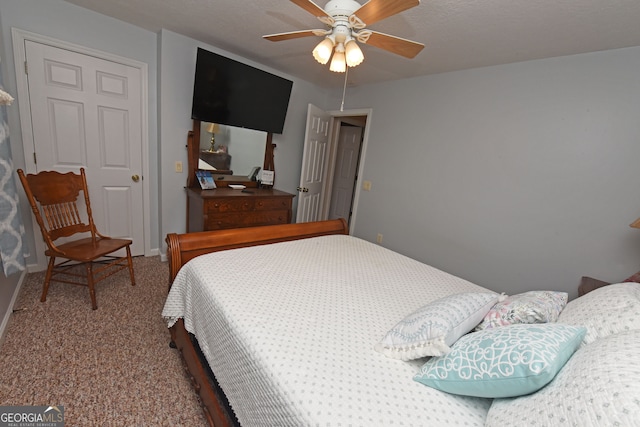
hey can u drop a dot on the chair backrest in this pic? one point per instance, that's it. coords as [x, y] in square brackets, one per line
[53, 197]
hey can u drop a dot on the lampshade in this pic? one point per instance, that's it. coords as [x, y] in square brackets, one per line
[353, 53]
[213, 128]
[338, 63]
[322, 51]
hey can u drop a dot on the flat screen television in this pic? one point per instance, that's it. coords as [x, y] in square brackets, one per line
[231, 93]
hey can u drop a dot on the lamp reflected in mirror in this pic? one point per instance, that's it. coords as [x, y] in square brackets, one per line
[236, 150]
[213, 128]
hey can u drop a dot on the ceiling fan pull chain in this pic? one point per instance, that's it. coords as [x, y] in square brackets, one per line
[344, 89]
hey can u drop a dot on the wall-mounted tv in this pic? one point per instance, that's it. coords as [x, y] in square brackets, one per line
[231, 93]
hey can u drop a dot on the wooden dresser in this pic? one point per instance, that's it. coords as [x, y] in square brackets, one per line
[224, 208]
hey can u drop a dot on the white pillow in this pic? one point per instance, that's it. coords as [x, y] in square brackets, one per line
[605, 311]
[430, 330]
[598, 386]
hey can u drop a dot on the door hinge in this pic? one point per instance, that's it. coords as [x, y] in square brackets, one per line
[26, 68]
[34, 158]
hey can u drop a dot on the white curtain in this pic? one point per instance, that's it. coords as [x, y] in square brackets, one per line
[11, 227]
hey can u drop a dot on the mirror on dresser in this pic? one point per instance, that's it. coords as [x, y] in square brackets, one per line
[235, 154]
[235, 149]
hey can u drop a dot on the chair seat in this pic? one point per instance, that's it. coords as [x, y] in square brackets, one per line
[83, 250]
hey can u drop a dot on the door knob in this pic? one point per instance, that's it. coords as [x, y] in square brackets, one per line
[303, 189]
[135, 178]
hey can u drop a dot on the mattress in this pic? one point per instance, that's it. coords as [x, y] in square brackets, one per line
[289, 330]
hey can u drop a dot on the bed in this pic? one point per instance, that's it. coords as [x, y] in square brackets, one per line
[279, 325]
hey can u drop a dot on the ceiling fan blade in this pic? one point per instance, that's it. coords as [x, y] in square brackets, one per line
[393, 44]
[377, 10]
[294, 35]
[314, 9]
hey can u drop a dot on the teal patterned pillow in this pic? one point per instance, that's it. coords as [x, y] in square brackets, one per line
[430, 330]
[503, 362]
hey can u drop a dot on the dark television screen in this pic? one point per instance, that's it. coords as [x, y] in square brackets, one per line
[231, 93]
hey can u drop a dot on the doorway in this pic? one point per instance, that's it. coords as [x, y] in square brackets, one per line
[345, 171]
[324, 164]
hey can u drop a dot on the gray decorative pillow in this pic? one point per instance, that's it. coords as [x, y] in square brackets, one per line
[430, 330]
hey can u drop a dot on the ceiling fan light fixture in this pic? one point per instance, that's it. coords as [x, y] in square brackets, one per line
[338, 63]
[353, 53]
[345, 27]
[322, 51]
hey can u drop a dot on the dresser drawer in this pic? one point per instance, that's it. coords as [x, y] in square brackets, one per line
[223, 221]
[265, 204]
[229, 205]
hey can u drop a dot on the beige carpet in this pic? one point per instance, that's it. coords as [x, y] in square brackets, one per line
[108, 367]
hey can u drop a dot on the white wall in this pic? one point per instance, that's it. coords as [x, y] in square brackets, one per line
[176, 70]
[516, 177]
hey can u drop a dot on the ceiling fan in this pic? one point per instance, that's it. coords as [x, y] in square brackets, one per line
[346, 21]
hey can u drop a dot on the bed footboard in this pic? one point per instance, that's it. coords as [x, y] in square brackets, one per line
[183, 247]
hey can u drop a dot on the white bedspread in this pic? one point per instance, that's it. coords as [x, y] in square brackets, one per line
[289, 330]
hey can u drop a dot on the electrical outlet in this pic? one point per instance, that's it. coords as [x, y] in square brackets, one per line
[178, 167]
[379, 238]
[366, 185]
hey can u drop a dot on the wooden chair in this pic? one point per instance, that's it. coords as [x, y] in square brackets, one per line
[55, 196]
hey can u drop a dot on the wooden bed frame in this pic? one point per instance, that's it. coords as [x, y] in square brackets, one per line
[184, 247]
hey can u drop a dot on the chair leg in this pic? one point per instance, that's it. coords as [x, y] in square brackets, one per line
[92, 289]
[47, 279]
[130, 261]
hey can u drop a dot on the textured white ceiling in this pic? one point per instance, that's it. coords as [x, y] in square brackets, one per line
[458, 34]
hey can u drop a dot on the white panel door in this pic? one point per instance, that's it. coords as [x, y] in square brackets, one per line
[344, 178]
[314, 164]
[86, 112]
